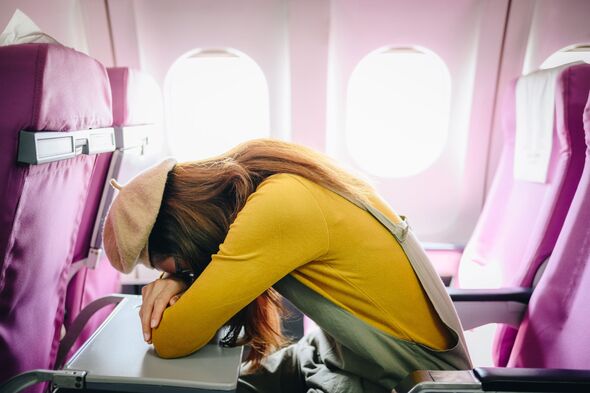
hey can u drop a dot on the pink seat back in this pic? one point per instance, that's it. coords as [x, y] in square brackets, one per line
[89, 284]
[521, 220]
[42, 87]
[133, 104]
[554, 332]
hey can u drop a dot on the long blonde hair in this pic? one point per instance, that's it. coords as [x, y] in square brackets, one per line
[201, 200]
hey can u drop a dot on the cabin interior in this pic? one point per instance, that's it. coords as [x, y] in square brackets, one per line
[470, 118]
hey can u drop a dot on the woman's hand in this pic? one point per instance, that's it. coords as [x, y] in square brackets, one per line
[156, 296]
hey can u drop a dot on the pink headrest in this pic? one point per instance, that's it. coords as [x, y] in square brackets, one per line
[136, 97]
[52, 87]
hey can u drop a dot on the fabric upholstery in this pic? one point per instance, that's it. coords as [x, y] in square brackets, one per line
[89, 284]
[521, 220]
[53, 88]
[99, 178]
[555, 329]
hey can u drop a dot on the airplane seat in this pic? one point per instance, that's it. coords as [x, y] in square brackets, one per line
[484, 251]
[62, 99]
[521, 218]
[554, 332]
[136, 108]
[551, 351]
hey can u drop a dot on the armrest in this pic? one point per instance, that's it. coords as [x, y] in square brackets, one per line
[478, 307]
[445, 258]
[516, 294]
[492, 379]
[532, 379]
[68, 379]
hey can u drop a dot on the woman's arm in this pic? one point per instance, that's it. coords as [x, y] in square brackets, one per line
[280, 228]
[156, 296]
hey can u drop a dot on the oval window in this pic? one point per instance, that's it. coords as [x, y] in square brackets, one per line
[214, 100]
[397, 114]
[569, 54]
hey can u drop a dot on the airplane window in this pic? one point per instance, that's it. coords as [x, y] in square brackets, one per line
[397, 115]
[567, 55]
[215, 99]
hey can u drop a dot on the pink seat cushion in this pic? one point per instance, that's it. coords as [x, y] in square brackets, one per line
[446, 262]
[43, 87]
[555, 330]
[521, 220]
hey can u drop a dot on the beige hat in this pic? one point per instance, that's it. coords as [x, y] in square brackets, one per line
[133, 215]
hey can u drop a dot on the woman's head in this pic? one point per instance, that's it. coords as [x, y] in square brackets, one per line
[199, 203]
[202, 198]
[132, 215]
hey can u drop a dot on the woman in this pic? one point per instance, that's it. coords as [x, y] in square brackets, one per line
[270, 218]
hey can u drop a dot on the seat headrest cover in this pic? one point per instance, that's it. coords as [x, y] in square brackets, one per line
[136, 97]
[535, 110]
[132, 216]
[22, 30]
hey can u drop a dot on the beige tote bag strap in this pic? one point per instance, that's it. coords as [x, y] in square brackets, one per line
[429, 278]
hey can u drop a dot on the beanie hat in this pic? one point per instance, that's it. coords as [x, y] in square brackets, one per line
[132, 216]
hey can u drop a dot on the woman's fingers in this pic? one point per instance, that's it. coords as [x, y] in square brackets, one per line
[156, 296]
[145, 312]
[174, 299]
[160, 305]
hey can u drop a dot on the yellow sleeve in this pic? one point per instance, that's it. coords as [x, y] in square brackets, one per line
[280, 228]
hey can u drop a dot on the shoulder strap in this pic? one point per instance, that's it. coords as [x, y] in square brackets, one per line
[427, 275]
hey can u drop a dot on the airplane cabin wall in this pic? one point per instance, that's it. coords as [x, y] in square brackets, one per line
[297, 43]
[308, 49]
[555, 25]
[165, 31]
[309, 34]
[443, 201]
[61, 19]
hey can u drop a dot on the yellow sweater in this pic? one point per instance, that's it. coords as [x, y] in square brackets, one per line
[291, 225]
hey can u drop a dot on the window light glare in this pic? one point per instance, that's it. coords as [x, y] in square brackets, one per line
[214, 102]
[398, 104]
